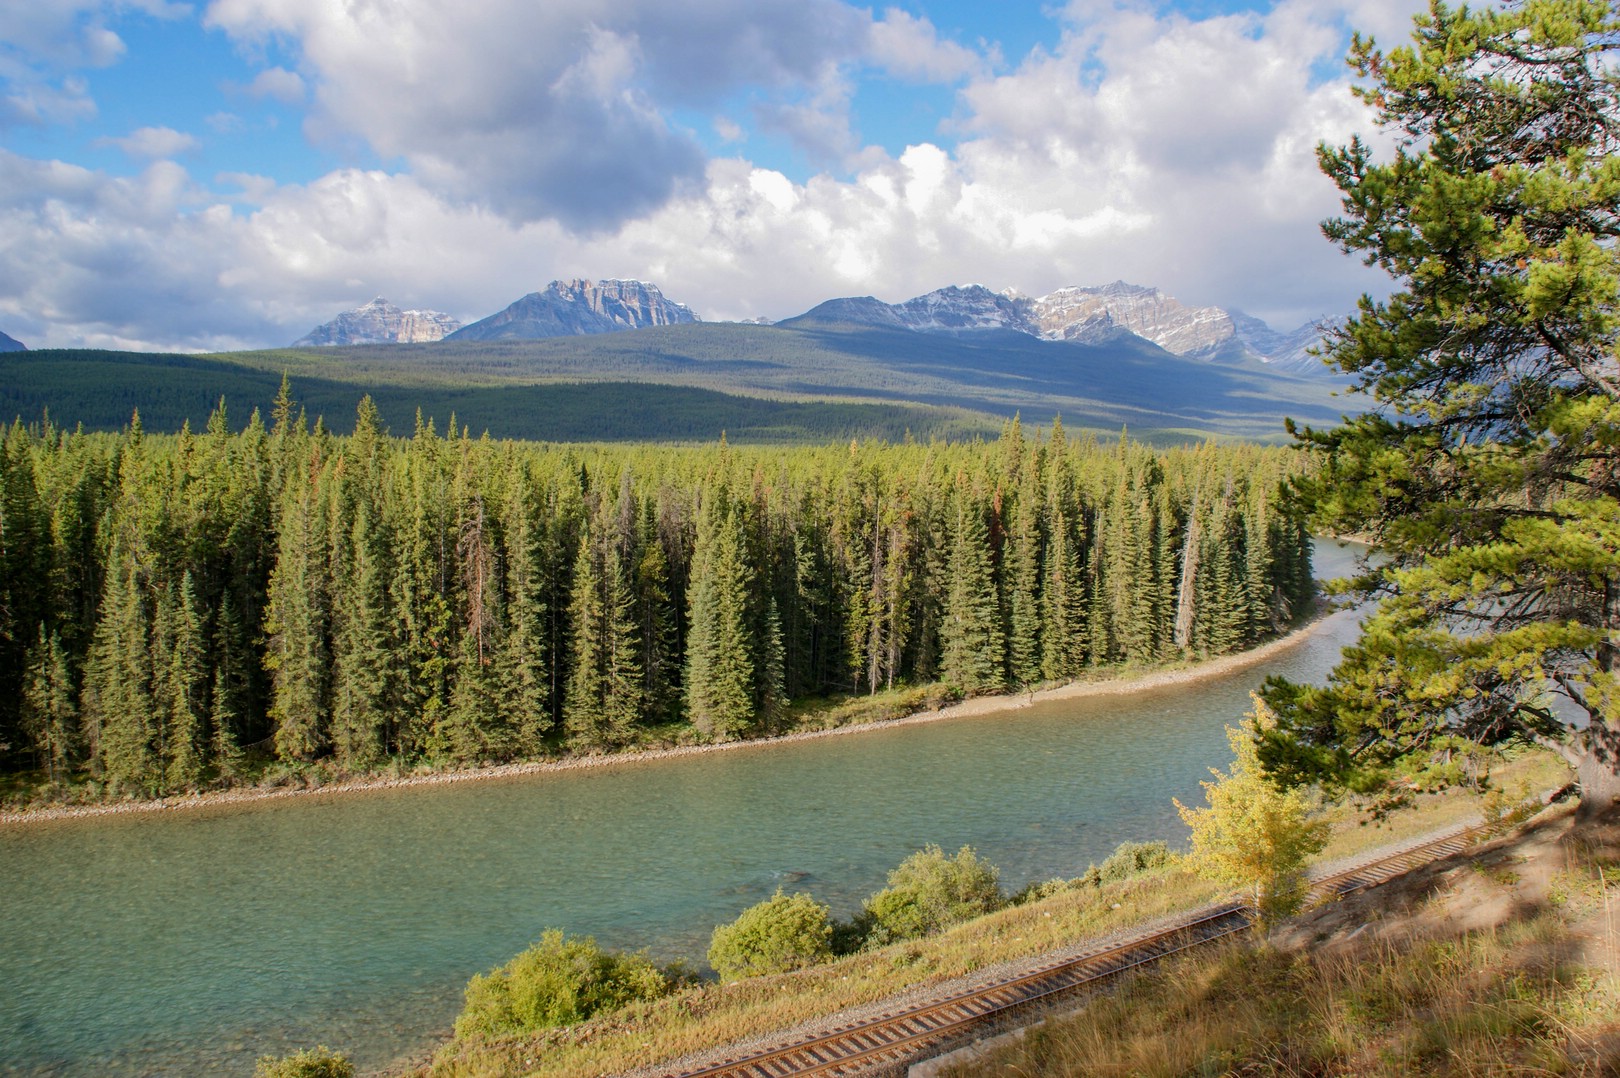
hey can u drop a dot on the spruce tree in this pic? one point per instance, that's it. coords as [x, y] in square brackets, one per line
[719, 663]
[297, 619]
[186, 683]
[119, 701]
[973, 643]
[521, 666]
[49, 715]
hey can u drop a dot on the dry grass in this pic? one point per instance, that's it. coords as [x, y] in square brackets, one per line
[710, 1016]
[1482, 1004]
[1534, 991]
[714, 1015]
[1525, 776]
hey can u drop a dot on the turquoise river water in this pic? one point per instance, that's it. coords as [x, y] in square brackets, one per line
[193, 942]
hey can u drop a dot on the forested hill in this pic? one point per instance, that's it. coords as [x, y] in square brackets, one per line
[824, 380]
[102, 390]
[178, 611]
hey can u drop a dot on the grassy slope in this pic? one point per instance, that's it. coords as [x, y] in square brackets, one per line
[1506, 962]
[810, 381]
[712, 1016]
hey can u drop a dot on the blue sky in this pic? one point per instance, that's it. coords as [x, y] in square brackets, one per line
[227, 173]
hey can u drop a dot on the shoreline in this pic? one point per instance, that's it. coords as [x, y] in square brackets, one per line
[974, 707]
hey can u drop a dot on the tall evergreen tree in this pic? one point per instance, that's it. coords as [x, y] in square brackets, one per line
[184, 682]
[522, 666]
[719, 664]
[605, 698]
[118, 699]
[49, 715]
[973, 643]
[297, 621]
[1488, 467]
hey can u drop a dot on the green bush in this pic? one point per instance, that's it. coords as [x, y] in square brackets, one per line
[780, 934]
[929, 891]
[315, 1062]
[1128, 859]
[557, 982]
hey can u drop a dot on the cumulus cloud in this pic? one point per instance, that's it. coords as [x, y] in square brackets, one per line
[34, 103]
[279, 84]
[45, 44]
[563, 109]
[553, 110]
[1159, 149]
[151, 143]
[909, 47]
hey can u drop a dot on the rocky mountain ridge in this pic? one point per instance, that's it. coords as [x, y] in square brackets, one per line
[574, 307]
[1080, 314]
[380, 322]
[1086, 314]
[11, 344]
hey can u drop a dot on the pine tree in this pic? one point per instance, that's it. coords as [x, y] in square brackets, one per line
[118, 700]
[296, 619]
[186, 683]
[25, 570]
[1487, 467]
[719, 664]
[655, 623]
[604, 699]
[364, 682]
[973, 644]
[1023, 582]
[522, 669]
[49, 716]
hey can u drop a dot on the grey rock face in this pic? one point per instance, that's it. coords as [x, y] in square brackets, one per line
[1150, 314]
[570, 308]
[380, 322]
[960, 309]
[1086, 315]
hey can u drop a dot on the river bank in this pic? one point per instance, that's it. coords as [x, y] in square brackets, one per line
[1105, 683]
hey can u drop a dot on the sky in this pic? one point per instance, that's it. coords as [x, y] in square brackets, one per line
[229, 174]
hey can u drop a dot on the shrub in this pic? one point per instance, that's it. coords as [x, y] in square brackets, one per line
[929, 891]
[1128, 859]
[780, 934]
[1034, 892]
[315, 1062]
[557, 982]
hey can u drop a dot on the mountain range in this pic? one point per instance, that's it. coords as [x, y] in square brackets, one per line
[579, 307]
[1079, 314]
[380, 322]
[11, 344]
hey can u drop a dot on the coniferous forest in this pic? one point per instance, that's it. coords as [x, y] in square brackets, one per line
[177, 611]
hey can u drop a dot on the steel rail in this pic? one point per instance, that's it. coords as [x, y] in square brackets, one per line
[893, 1037]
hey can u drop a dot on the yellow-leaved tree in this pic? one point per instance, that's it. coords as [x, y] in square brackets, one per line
[1254, 834]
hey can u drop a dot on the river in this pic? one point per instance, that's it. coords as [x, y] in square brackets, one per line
[193, 942]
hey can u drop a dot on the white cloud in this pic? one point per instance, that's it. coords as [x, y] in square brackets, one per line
[45, 45]
[555, 110]
[910, 47]
[151, 143]
[34, 103]
[820, 126]
[279, 84]
[1165, 151]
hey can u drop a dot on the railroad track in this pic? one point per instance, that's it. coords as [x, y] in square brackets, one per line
[892, 1039]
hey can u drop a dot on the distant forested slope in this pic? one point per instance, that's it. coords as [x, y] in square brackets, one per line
[101, 390]
[822, 380]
